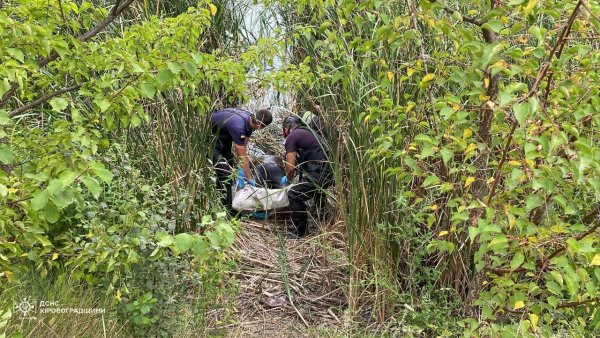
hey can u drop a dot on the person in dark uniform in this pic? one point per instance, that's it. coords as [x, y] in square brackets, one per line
[234, 126]
[305, 151]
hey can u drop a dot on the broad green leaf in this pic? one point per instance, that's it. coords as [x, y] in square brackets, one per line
[489, 51]
[54, 187]
[570, 129]
[517, 260]
[6, 154]
[430, 180]
[40, 176]
[226, 231]
[573, 245]
[206, 220]
[497, 243]
[67, 177]
[51, 213]
[16, 54]
[473, 232]
[533, 201]
[163, 239]
[190, 68]
[103, 104]
[39, 200]
[183, 242]
[457, 16]
[215, 240]
[174, 67]
[200, 248]
[446, 155]
[426, 152]
[164, 76]
[521, 111]
[92, 186]
[63, 199]
[564, 204]
[104, 174]
[59, 104]
[425, 139]
[135, 120]
[494, 25]
[554, 288]
[4, 86]
[3, 190]
[529, 7]
[4, 117]
[534, 105]
[519, 305]
[537, 33]
[148, 90]
[572, 282]
[557, 277]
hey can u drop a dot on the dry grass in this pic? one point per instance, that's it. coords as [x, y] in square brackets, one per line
[313, 270]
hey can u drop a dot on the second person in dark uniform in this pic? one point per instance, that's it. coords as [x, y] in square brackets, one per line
[305, 151]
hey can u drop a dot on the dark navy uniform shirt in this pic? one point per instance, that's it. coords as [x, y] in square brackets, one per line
[233, 123]
[300, 138]
[311, 155]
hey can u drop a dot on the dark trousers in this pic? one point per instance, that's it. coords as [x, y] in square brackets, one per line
[223, 163]
[311, 186]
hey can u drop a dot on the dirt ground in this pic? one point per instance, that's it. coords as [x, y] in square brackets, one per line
[287, 287]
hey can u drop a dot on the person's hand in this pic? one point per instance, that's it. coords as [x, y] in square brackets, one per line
[252, 182]
[284, 181]
[239, 181]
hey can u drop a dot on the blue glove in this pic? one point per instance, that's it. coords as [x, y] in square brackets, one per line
[252, 182]
[260, 215]
[239, 181]
[284, 181]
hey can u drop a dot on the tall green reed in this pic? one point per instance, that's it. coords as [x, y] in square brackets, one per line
[356, 89]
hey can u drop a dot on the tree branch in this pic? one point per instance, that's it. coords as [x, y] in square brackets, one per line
[502, 160]
[557, 47]
[544, 261]
[117, 9]
[13, 88]
[556, 50]
[559, 306]
[41, 100]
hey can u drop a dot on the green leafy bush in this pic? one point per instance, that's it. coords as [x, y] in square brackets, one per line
[72, 201]
[475, 127]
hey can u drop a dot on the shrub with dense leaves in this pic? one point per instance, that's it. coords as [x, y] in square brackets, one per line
[477, 125]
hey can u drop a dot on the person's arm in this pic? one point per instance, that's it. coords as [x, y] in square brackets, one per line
[290, 165]
[243, 160]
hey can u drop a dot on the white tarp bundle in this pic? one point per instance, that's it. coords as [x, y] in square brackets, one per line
[253, 198]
